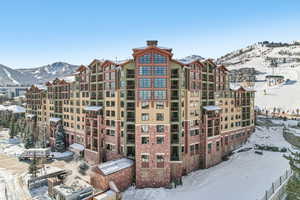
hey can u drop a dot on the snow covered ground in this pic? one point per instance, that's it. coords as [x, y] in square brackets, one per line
[245, 175]
[284, 96]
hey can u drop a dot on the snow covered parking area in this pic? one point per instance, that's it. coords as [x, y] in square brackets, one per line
[245, 175]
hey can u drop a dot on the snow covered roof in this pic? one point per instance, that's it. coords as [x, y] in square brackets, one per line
[54, 119]
[93, 108]
[69, 79]
[211, 108]
[41, 87]
[30, 115]
[115, 165]
[77, 146]
[3, 107]
[16, 109]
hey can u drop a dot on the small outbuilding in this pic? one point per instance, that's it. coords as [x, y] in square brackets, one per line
[120, 172]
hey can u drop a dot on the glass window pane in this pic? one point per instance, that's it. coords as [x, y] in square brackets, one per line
[160, 71]
[160, 94]
[160, 82]
[145, 70]
[145, 83]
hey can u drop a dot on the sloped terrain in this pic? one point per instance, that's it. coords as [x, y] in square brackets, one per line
[271, 59]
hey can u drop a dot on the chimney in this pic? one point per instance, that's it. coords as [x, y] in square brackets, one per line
[152, 43]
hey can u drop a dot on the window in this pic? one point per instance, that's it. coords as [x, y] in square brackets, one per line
[145, 70]
[145, 128]
[159, 116]
[159, 140]
[145, 95]
[160, 95]
[145, 140]
[160, 128]
[145, 59]
[159, 105]
[160, 83]
[145, 105]
[160, 71]
[218, 146]
[145, 83]
[145, 158]
[159, 58]
[159, 158]
[209, 148]
[145, 116]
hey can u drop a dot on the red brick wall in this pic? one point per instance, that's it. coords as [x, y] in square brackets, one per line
[123, 179]
[91, 157]
[144, 176]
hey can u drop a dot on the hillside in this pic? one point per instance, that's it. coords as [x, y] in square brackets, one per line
[271, 58]
[10, 76]
[28, 76]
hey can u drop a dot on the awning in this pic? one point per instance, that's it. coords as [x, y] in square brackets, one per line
[93, 108]
[54, 119]
[77, 146]
[211, 108]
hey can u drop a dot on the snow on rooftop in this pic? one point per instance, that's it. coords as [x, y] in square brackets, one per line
[115, 165]
[93, 108]
[211, 108]
[77, 146]
[16, 109]
[30, 115]
[54, 119]
[41, 87]
[69, 79]
[2, 107]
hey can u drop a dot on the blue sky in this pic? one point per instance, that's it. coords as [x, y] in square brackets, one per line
[39, 32]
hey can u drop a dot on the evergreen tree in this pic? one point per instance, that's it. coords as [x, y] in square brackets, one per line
[12, 130]
[28, 143]
[32, 169]
[293, 186]
[60, 139]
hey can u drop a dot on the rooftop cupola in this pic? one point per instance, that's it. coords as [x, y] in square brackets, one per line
[152, 43]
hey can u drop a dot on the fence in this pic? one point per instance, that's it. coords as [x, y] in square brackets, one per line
[277, 189]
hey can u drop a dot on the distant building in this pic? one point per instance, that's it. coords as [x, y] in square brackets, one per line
[242, 75]
[13, 91]
[274, 80]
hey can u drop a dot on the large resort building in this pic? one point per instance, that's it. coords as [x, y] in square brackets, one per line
[171, 117]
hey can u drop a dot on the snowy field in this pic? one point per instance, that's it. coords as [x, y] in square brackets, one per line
[245, 175]
[285, 96]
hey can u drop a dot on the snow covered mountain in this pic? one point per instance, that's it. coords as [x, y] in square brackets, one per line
[50, 72]
[10, 76]
[271, 59]
[28, 76]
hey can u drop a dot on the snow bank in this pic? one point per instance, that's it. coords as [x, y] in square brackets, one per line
[245, 175]
[59, 155]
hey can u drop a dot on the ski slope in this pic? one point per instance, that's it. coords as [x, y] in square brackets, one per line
[285, 96]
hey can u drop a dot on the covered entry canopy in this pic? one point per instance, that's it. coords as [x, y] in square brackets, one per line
[77, 148]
